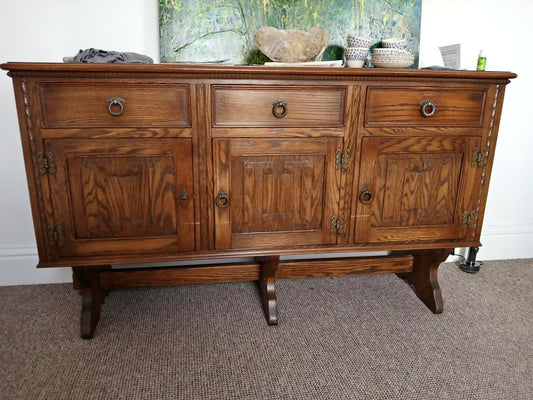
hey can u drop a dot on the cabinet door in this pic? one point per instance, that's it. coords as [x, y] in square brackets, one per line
[274, 192]
[113, 196]
[415, 189]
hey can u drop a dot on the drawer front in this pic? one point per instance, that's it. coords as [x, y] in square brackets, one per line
[72, 105]
[274, 106]
[448, 107]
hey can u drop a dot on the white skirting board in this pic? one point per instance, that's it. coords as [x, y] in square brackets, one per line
[18, 267]
[501, 242]
[17, 263]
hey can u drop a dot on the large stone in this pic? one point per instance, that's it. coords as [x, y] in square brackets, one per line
[291, 45]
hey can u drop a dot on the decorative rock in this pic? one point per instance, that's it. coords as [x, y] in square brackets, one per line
[291, 45]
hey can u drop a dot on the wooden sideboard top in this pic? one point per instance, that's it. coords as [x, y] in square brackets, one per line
[240, 71]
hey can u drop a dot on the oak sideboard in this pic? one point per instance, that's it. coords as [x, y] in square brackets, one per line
[206, 173]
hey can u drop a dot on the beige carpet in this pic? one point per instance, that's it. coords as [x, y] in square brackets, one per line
[356, 337]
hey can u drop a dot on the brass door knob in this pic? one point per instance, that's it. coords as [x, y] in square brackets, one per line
[366, 195]
[184, 195]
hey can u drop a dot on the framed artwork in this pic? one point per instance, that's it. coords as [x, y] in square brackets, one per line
[223, 30]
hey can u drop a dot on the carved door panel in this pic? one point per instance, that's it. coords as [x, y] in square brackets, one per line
[274, 193]
[114, 196]
[416, 189]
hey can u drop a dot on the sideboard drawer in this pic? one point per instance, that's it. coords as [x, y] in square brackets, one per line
[91, 105]
[278, 106]
[447, 107]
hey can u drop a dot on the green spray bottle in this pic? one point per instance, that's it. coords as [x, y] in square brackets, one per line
[481, 61]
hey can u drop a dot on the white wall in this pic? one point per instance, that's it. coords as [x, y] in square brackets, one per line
[502, 29]
[36, 30]
[49, 30]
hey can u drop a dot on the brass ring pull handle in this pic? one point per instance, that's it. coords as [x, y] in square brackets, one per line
[115, 106]
[366, 195]
[222, 200]
[427, 108]
[279, 109]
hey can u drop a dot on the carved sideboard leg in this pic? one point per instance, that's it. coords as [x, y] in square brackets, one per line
[423, 277]
[267, 286]
[87, 281]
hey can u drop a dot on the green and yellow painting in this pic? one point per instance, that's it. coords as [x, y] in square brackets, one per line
[215, 30]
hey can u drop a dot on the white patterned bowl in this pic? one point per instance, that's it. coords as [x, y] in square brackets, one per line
[394, 43]
[358, 41]
[404, 64]
[390, 51]
[392, 57]
[356, 53]
[393, 60]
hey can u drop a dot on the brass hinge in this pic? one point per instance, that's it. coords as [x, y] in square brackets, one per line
[469, 220]
[338, 158]
[46, 163]
[346, 160]
[342, 159]
[56, 235]
[479, 157]
[337, 225]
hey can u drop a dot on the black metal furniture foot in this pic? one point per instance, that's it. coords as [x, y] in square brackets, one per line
[469, 264]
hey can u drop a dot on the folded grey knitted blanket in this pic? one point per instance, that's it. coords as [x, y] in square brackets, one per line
[104, 56]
